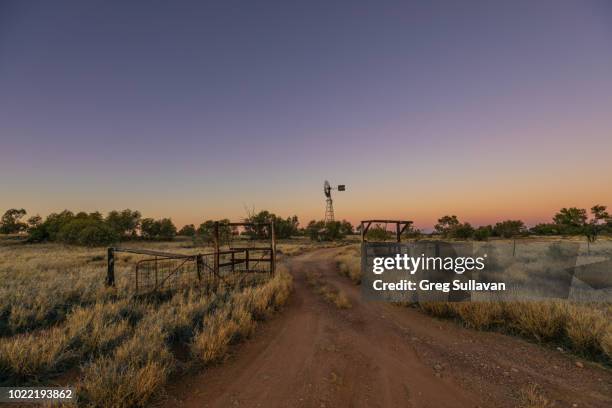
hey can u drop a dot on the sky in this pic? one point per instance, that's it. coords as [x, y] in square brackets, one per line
[201, 110]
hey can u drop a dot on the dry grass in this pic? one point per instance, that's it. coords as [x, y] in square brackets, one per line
[583, 328]
[57, 320]
[349, 263]
[531, 396]
[235, 320]
[328, 291]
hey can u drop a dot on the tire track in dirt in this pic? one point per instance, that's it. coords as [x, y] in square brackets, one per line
[380, 355]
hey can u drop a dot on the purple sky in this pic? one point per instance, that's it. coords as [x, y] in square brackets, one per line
[194, 110]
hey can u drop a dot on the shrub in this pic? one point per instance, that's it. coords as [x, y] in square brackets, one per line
[88, 232]
[509, 228]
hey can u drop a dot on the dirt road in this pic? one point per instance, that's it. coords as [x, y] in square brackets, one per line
[380, 355]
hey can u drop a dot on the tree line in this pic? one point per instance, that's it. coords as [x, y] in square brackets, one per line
[567, 221]
[88, 229]
[93, 229]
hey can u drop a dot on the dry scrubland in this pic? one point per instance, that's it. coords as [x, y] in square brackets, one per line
[59, 324]
[585, 329]
[329, 292]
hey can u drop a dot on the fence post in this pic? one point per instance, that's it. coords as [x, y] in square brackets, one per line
[588, 246]
[199, 262]
[216, 248]
[273, 251]
[513, 247]
[110, 271]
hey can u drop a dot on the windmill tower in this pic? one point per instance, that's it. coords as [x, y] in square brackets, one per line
[329, 203]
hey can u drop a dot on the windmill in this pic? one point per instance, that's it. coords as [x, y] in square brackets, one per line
[329, 207]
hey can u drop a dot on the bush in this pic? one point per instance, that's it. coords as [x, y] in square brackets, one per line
[509, 228]
[320, 231]
[88, 232]
[162, 229]
[482, 233]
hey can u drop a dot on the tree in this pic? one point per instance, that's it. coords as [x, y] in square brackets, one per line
[124, 223]
[599, 213]
[596, 225]
[463, 231]
[509, 228]
[378, 233]
[313, 229]
[283, 228]
[206, 231]
[167, 230]
[574, 217]
[34, 221]
[54, 223]
[11, 221]
[412, 232]
[446, 225]
[346, 228]
[149, 228]
[162, 229]
[187, 231]
[321, 231]
[546, 229]
[88, 230]
[483, 233]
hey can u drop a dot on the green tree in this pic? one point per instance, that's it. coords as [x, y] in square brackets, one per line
[206, 231]
[546, 229]
[572, 219]
[509, 228]
[187, 231]
[378, 233]
[87, 229]
[149, 228]
[446, 225]
[167, 230]
[124, 223]
[598, 222]
[463, 231]
[162, 229]
[412, 232]
[320, 231]
[34, 221]
[54, 222]
[10, 222]
[346, 228]
[283, 227]
[483, 233]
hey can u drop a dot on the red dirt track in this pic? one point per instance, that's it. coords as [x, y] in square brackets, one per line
[313, 354]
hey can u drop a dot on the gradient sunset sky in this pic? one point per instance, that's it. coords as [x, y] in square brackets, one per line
[488, 110]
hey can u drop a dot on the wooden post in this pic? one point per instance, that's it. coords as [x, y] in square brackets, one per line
[273, 252]
[156, 269]
[248, 268]
[398, 232]
[514, 247]
[110, 269]
[216, 247]
[361, 231]
[588, 246]
[199, 262]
